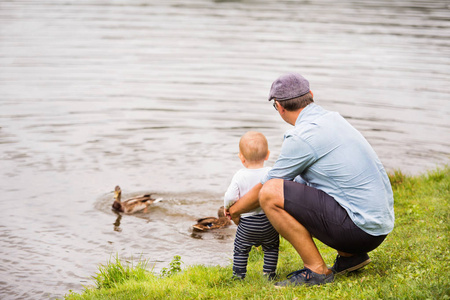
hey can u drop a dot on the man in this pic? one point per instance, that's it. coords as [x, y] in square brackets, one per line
[327, 183]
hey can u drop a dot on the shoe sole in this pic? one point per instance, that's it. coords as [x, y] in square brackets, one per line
[297, 285]
[304, 284]
[354, 268]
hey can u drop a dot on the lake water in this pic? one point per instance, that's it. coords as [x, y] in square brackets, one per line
[154, 96]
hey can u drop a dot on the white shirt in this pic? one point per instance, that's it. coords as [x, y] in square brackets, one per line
[243, 181]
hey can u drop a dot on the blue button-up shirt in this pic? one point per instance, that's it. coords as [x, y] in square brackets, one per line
[325, 152]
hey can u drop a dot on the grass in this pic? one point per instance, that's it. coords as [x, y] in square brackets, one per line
[412, 263]
[115, 273]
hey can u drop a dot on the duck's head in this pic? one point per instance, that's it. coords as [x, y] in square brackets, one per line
[117, 193]
[221, 212]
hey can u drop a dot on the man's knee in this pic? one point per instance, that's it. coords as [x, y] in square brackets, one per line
[271, 194]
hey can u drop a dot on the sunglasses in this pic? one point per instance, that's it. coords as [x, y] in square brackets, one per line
[275, 105]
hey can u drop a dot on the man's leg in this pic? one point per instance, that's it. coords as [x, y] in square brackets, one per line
[271, 199]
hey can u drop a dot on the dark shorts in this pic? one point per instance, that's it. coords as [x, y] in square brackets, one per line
[326, 220]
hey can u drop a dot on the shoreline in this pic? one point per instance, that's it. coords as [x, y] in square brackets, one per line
[411, 263]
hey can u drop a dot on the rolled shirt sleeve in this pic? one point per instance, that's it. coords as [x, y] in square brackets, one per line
[295, 157]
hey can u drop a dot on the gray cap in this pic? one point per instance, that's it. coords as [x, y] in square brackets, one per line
[289, 86]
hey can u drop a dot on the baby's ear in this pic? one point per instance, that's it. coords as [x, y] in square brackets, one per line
[241, 157]
[267, 156]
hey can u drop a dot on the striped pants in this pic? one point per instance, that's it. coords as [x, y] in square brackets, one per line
[255, 231]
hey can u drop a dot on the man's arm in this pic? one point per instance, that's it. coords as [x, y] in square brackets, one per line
[245, 204]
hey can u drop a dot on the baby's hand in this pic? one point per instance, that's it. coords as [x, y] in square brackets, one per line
[227, 213]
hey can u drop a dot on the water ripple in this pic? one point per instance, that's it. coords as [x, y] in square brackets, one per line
[155, 96]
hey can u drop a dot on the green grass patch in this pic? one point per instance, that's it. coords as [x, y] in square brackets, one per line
[115, 273]
[412, 263]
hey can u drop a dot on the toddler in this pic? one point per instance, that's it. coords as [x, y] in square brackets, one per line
[254, 228]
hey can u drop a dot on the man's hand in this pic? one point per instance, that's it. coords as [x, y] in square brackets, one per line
[226, 212]
[245, 204]
[235, 217]
[236, 220]
[228, 215]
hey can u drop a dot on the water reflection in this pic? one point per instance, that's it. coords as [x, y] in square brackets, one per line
[218, 234]
[225, 1]
[117, 222]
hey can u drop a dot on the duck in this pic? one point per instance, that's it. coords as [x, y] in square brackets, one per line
[209, 223]
[133, 204]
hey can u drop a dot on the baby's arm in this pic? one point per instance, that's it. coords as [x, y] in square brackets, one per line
[231, 196]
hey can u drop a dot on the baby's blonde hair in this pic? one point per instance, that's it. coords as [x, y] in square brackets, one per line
[253, 146]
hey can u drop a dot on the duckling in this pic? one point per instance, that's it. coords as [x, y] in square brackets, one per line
[209, 223]
[133, 204]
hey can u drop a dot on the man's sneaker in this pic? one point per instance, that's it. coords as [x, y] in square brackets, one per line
[344, 265]
[305, 277]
